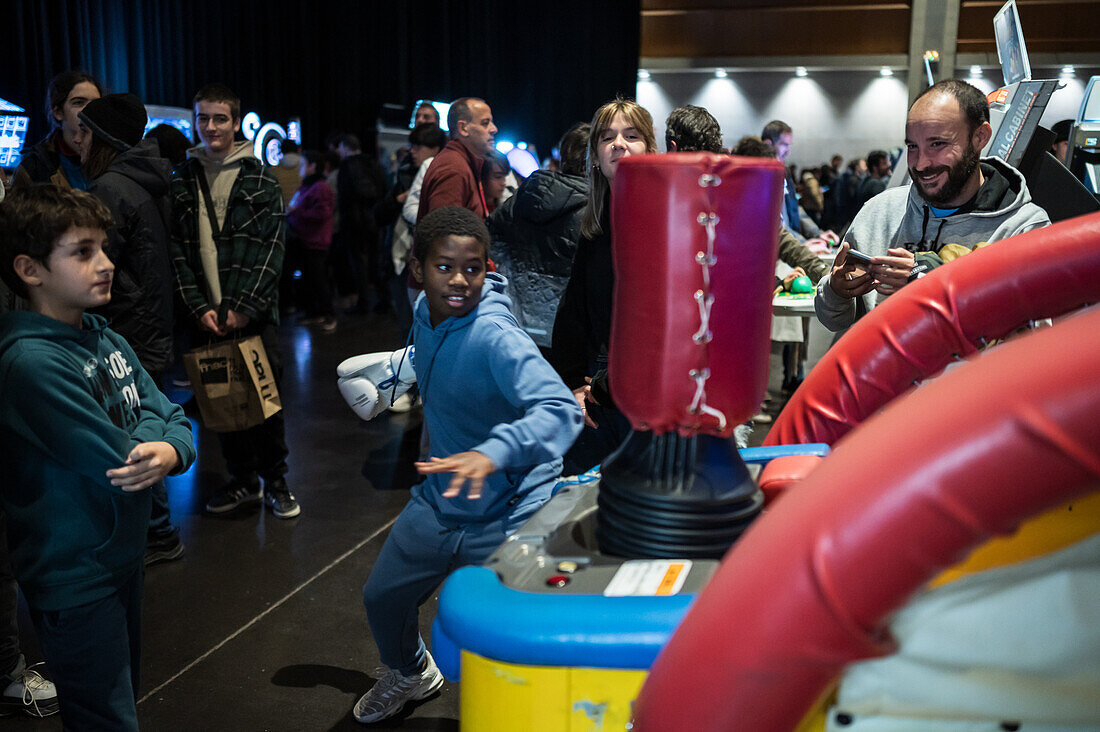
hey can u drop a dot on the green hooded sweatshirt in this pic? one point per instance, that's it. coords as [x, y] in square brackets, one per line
[73, 403]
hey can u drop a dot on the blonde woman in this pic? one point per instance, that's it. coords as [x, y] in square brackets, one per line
[582, 328]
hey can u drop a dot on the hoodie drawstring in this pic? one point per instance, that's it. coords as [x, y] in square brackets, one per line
[924, 246]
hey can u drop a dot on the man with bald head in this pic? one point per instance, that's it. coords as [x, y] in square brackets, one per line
[956, 202]
[454, 177]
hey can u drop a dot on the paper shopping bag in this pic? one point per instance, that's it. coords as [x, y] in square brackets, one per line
[233, 384]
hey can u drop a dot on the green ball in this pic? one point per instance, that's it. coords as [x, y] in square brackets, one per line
[802, 285]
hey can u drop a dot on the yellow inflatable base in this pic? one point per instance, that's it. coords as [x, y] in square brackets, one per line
[504, 697]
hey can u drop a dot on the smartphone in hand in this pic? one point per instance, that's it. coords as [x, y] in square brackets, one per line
[859, 259]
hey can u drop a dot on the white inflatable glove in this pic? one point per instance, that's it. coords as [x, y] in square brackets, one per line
[369, 383]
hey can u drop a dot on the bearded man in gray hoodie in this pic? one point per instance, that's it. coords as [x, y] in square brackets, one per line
[956, 200]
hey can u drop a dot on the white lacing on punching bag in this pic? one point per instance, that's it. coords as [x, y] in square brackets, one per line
[705, 300]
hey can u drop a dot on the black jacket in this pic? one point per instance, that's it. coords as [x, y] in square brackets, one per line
[582, 328]
[135, 189]
[534, 235]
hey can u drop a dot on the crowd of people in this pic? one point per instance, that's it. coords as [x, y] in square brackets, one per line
[172, 243]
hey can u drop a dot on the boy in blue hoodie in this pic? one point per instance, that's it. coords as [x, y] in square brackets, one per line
[84, 432]
[500, 419]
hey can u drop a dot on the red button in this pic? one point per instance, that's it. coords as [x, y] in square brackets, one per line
[558, 580]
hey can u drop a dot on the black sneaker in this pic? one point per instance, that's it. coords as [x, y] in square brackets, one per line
[235, 493]
[280, 500]
[163, 549]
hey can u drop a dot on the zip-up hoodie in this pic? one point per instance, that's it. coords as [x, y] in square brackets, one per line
[74, 402]
[486, 388]
[900, 218]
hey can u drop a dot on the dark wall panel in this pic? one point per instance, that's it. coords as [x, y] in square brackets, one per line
[541, 66]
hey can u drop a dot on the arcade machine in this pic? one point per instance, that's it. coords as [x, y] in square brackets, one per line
[1084, 150]
[13, 134]
[557, 629]
[939, 570]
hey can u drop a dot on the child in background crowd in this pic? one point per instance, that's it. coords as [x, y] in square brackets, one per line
[84, 432]
[500, 420]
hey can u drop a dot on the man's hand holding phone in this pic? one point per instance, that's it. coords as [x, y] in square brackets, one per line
[851, 276]
[891, 272]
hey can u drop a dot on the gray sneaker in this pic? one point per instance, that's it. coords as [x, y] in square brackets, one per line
[390, 693]
[28, 692]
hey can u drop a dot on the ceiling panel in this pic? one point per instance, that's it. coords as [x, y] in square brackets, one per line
[694, 28]
[742, 28]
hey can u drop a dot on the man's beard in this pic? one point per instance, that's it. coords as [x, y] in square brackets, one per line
[957, 176]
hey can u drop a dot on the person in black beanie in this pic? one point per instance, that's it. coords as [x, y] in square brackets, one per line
[129, 175]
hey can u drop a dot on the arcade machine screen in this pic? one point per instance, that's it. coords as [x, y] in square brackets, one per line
[13, 134]
[1010, 44]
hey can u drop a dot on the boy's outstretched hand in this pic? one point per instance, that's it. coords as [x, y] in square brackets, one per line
[146, 464]
[472, 466]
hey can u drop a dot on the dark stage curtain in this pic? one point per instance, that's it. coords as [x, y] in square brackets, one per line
[540, 65]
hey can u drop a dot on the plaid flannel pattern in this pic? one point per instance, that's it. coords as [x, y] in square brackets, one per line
[250, 252]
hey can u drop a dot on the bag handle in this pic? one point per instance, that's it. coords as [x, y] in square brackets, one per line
[208, 200]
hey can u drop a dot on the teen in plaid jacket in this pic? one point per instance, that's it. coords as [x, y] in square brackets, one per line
[228, 236]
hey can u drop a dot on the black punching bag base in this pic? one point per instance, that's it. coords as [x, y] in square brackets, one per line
[669, 496]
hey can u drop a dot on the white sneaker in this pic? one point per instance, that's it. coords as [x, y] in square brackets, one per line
[390, 693]
[29, 693]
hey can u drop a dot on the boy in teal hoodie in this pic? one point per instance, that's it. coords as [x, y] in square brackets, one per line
[500, 419]
[84, 432]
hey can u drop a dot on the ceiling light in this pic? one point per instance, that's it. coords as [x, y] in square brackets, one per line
[1068, 70]
[720, 73]
[885, 71]
[801, 71]
[975, 71]
[643, 75]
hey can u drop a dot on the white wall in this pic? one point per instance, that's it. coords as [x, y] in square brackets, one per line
[846, 112]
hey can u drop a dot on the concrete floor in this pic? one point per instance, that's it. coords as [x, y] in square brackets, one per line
[260, 626]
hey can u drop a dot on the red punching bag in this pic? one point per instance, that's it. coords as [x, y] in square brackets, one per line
[694, 248]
